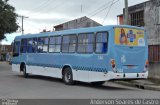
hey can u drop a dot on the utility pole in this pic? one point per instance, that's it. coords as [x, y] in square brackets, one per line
[22, 22]
[126, 12]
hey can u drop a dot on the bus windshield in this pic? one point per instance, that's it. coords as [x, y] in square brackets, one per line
[129, 37]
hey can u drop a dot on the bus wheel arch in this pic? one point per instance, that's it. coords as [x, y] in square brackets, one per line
[67, 75]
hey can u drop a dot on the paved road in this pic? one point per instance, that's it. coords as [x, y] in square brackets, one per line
[13, 85]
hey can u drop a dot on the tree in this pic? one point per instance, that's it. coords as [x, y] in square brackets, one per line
[7, 19]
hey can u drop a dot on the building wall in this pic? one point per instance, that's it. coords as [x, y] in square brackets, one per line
[152, 26]
[120, 19]
[80, 23]
[151, 18]
[77, 23]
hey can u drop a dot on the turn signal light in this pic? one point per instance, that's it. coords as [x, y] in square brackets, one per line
[113, 63]
[146, 66]
[147, 63]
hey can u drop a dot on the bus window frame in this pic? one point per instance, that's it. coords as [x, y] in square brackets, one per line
[101, 42]
[43, 44]
[55, 42]
[32, 45]
[21, 52]
[70, 43]
[17, 53]
[87, 43]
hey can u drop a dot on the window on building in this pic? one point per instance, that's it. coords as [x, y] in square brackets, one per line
[24, 46]
[137, 18]
[69, 44]
[153, 51]
[55, 44]
[101, 42]
[43, 45]
[86, 43]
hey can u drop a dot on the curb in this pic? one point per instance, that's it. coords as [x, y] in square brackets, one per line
[155, 88]
[139, 85]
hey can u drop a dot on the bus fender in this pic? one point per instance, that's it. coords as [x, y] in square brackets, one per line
[65, 66]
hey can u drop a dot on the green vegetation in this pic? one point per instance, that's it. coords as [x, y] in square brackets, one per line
[7, 19]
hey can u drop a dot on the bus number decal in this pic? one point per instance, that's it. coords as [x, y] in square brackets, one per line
[100, 57]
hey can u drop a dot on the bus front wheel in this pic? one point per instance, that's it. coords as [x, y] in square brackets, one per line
[25, 74]
[68, 76]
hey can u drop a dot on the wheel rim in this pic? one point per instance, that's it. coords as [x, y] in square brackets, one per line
[68, 77]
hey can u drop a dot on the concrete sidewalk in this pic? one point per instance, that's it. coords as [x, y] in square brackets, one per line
[142, 84]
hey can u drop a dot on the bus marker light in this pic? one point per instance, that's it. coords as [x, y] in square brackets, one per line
[113, 63]
[147, 63]
[118, 75]
[146, 66]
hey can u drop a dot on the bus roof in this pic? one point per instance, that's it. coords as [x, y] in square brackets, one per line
[75, 31]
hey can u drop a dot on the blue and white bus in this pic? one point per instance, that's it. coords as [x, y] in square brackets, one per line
[94, 55]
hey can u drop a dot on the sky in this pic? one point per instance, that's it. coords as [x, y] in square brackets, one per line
[44, 14]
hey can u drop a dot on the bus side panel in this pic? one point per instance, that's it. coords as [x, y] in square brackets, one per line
[52, 64]
[45, 71]
[16, 67]
[80, 75]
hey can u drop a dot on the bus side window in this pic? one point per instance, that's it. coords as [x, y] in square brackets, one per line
[101, 42]
[69, 43]
[32, 45]
[55, 44]
[16, 48]
[43, 45]
[86, 43]
[23, 45]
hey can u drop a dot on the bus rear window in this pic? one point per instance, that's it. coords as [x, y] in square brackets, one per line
[129, 37]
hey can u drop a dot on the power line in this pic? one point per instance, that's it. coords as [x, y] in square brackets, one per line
[60, 4]
[97, 13]
[101, 7]
[41, 6]
[108, 12]
[45, 9]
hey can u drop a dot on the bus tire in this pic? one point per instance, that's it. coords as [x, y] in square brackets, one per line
[25, 74]
[67, 76]
[98, 83]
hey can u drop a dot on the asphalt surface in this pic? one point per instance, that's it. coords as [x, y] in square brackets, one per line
[13, 85]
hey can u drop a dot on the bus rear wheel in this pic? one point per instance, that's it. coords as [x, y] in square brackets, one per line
[25, 74]
[68, 76]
